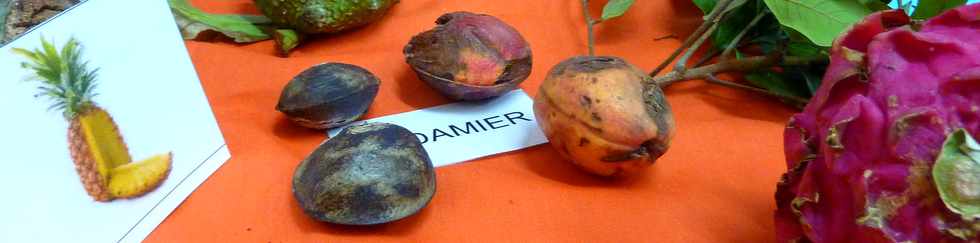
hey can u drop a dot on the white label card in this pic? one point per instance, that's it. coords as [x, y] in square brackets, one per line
[464, 131]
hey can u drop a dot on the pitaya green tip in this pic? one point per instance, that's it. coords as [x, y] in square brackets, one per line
[861, 154]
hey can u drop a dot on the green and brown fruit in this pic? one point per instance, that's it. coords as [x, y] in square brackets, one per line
[95, 143]
[328, 95]
[600, 113]
[324, 16]
[368, 174]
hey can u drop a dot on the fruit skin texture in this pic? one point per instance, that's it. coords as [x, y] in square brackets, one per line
[862, 151]
[328, 95]
[368, 174]
[597, 113]
[470, 56]
[324, 16]
[138, 178]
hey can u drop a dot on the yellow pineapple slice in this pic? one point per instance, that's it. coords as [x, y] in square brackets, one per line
[136, 179]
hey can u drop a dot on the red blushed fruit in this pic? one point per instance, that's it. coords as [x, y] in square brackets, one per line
[597, 112]
[470, 56]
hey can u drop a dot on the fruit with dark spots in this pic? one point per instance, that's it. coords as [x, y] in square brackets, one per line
[597, 112]
[324, 16]
[328, 95]
[470, 56]
[368, 174]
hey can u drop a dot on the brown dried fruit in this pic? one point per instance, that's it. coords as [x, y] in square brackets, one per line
[368, 174]
[328, 95]
[598, 113]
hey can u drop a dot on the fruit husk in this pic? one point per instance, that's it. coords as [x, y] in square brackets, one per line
[470, 56]
[368, 174]
[328, 95]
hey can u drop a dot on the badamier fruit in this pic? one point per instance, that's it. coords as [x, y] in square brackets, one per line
[869, 156]
[601, 114]
[328, 95]
[368, 174]
[470, 56]
[97, 148]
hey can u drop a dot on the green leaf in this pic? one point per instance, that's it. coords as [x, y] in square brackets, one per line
[819, 20]
[707, 6]
[929, 8]
[776, 83]
[194, 23]
[875, 5]
[739, 16]
[801, 49]
[957, 174]
[616, 8]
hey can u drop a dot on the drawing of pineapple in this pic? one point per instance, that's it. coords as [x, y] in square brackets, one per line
[100, 155]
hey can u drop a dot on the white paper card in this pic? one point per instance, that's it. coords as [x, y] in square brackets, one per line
[146, 83]
[464, 131]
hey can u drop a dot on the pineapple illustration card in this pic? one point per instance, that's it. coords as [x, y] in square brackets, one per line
[106, 127]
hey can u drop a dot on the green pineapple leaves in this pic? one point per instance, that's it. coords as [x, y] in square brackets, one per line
[957, 174]
[819, 20]
[616, 8]
[64, 78]
[196, 24]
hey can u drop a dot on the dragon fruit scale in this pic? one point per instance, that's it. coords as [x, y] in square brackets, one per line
[861, 154]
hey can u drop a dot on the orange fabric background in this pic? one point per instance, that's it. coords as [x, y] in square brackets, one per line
[715, 184]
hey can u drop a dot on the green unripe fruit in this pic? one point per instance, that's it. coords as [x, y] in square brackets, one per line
[324, 16]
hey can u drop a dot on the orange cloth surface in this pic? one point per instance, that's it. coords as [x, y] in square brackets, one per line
[715, 184]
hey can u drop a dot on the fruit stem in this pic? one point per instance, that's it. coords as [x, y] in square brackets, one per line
[590, 25]
[736, 65]
[681, 65]
[711, 20]
[738, 38]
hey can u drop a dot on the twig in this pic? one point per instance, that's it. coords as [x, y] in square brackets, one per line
[590, 23]
[738, 38]
[715, 80]
[681, 65]
[737, 65]
[707, 57]
[710, 20]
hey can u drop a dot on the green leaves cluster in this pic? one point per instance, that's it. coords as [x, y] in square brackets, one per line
[767, 36]
[795, 28]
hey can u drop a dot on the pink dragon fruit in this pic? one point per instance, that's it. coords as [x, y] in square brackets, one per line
[861, 153]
